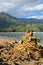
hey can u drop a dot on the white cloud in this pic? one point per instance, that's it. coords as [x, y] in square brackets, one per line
[38, 17]
[20, 7]
[35, 8]
[6, 6]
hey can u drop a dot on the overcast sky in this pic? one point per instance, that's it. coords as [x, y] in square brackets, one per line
[23, 8]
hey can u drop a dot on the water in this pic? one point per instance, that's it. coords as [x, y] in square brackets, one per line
[17, 35]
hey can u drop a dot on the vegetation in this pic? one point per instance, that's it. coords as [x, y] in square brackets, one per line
[9, 23]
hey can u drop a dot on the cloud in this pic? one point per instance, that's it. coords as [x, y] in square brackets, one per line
[38, 17]
[5, 6]
[20, 7]
[29, 10]
[25, 10]
[35, 8]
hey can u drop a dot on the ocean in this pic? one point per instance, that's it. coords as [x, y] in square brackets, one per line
[17, 35]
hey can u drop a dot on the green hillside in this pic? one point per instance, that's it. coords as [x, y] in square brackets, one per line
[9, 23]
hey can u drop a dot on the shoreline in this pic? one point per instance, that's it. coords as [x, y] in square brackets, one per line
[11, 38]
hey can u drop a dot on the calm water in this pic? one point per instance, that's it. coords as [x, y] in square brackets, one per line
[17, 35]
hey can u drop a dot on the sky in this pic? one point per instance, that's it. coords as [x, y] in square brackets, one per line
[23, 8]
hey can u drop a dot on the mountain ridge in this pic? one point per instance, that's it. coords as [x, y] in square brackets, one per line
[9, 22]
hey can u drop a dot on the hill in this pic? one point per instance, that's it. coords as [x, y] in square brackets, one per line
[10, 23]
